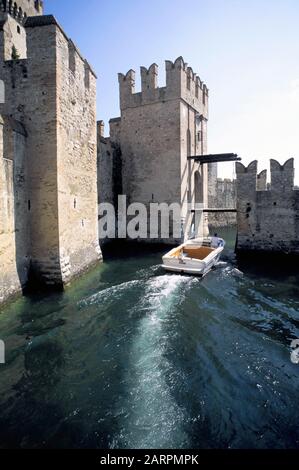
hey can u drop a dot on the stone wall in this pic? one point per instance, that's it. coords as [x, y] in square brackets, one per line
[109, 169]
[51, 95]
[213, 176]
[224, 197]
[13, 16]
[37, 111]
[14, 221]
[12, 34]
[158, 129]
[268, 216]
[105, 167]
[76, 158]
[21, 9]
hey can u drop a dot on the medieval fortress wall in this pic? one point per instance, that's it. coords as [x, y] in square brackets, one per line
[268, 219]
[158, 129]
[14, 227]
[21, 9]
[13, 16]
[57, 166]
[48, 177]
[223, 194]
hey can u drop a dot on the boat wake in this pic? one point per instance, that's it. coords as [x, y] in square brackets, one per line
[110, 294]
[155, 419]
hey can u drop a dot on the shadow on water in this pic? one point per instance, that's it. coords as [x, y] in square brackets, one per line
[119, 249]
[274, 266]
[266, 265]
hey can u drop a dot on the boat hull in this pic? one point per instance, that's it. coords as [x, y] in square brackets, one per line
[189, 265]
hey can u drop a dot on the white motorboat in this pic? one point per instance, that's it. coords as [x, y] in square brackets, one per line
[195, 257]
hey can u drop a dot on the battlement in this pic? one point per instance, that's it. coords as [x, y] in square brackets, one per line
[267, 214]
[13, 19]
[247, 177]
[282, 176]
[149, 78]
[74, 55]
[181, 83]
[190, 81]
[21, 9]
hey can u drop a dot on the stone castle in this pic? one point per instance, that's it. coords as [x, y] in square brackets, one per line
[56, 165]
[48, 178]
[146, 154]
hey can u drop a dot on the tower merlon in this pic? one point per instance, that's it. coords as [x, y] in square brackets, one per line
[247, 179]
[282, 176]
[149, 78]
[127, 89]
[262, 181]
[128, 79]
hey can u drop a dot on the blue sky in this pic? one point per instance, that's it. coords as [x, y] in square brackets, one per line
[247, 52]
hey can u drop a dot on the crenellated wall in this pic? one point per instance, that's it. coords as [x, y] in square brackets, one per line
[181, 83]
[158, 129]
[21, 9]
[268, 215]
[13, 16]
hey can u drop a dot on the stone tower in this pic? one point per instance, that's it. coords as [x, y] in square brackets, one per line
[49, 176]
[158, 129]
[13, 16]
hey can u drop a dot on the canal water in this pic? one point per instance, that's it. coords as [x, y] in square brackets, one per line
[132, 357]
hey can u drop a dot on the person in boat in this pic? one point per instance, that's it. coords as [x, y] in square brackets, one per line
[216, 242]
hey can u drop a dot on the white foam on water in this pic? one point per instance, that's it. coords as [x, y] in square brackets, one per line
[160, 294]
[221, 264]
[155, 419]
[146, 273]
[229, 270]
[111, 293]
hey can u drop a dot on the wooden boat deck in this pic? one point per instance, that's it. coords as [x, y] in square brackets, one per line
[193, 252]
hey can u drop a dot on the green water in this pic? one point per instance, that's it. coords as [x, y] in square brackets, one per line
[133, 357]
